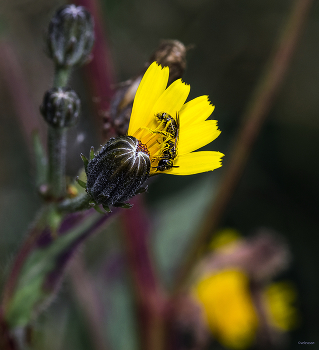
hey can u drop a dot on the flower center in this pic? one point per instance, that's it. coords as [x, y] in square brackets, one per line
[141, 147]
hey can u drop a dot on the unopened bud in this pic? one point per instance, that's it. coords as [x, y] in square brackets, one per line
[171, 53]
[61, 107]
[118, 171]
[70, 36]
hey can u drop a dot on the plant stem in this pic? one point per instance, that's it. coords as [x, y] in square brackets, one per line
[86, 293]
[25, 111]
[253, 119]
[149, 296]
[57, 146]
[99, 71]
[78, 203]
[57, 154]
[61, 77]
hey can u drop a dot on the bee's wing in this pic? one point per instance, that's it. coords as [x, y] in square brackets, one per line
[177, 129]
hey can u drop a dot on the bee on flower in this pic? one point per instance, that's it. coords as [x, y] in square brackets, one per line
[163, 135]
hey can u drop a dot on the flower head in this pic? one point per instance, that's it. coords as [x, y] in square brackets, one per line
[228, 307]
[162, 135]
[171, 129]
[118, 171]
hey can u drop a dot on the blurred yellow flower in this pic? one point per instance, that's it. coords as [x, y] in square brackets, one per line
[279, 298]
[194, 131]
[225, 238]
[229, 310]
[228, 307]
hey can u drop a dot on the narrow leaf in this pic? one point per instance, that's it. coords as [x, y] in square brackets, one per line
[85, 161]
[41, 160]
[123, 205]
[106, 208]
[43, 268]
[99, 210]
[92, 153]
[80, 182]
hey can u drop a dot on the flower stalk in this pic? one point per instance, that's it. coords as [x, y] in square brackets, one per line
[57, 154]
[149, 294]
[61, 76]
[80, 202]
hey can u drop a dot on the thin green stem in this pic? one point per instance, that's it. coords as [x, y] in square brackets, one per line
[81, 202]
[57, 153]
[61, 76]
[57, 145]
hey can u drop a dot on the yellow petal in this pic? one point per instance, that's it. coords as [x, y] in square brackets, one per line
[197, 135]
[196, 162]
[171, 100]
[150, 89]
[195, 111]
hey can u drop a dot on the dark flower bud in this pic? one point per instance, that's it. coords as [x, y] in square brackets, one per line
[171, 53]
[118, 171]
[61, 107]
[70, 36]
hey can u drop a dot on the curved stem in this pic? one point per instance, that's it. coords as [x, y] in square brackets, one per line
[78, 203]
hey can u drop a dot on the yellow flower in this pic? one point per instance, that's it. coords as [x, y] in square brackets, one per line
[279, 298]
[225, 239]
[228, 307]
[152, 99]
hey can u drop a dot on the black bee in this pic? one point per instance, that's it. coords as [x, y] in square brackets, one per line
[169, 122]
[169, 153]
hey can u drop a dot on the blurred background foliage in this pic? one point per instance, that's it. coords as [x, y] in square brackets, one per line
[279, 189]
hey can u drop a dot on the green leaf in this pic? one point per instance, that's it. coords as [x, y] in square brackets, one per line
[98, 209]
[92, 155]
[142, 190]
[80, 182]
[41, 161]
[85, 161]
[106, 208]
[187, 207]
[43, 269]
[123, 205]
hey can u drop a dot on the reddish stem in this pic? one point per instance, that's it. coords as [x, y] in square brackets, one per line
[99, 71]
[6, 340]
[150, 299]
[88, 299]
[18, 88]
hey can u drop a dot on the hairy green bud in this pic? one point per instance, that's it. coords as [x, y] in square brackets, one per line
[61, 107]
[118, 171]
[70, 36]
